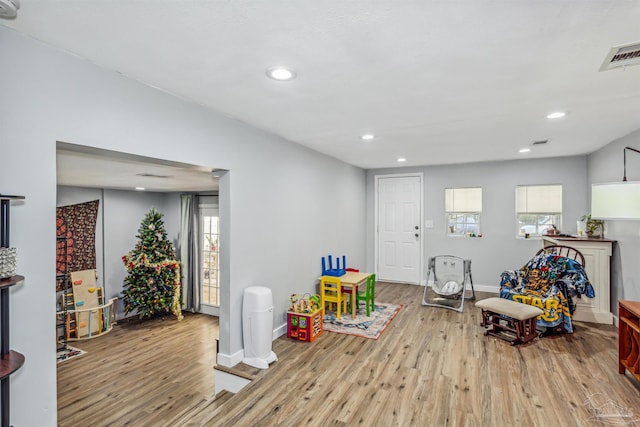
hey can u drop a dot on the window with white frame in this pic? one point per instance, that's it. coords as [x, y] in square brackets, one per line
[463, 207]
[538, 208]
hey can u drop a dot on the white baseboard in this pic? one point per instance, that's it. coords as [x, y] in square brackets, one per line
[230, 360]
[487, 288]
[279, 331]
[237, 357]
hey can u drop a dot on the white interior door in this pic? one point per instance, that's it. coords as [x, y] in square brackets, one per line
[399, 231]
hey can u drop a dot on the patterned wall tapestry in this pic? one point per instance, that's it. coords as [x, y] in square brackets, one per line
[78, 224]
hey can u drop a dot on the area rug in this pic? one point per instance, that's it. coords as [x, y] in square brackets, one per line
[363, 326]
[68, 353]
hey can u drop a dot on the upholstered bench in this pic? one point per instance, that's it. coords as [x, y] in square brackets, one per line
[509, 320]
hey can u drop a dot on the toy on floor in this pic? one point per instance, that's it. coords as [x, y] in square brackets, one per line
[304, 318]
[86, 314]
[304, 303]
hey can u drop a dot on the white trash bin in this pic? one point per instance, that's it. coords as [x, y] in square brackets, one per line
[257, 327]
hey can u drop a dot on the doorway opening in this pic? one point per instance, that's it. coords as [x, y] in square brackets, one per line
[128, 185]
[88, 173]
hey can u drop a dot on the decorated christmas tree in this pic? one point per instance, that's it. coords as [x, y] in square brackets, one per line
[152, 286]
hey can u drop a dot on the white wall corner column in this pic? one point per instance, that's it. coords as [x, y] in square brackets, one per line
[597, 257]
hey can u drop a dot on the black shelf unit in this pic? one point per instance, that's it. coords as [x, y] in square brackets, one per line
[10, 360]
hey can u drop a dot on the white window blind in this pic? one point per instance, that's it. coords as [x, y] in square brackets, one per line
[463, 199]
[539, 199]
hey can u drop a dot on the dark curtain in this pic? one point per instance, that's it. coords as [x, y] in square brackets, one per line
[190, 251]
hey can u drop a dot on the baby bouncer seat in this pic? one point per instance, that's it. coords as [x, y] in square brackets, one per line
[447, 287]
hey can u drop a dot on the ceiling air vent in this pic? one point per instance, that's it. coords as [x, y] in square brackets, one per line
[540, 142]
[622, 56]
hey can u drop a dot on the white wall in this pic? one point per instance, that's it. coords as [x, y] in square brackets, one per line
[284, 206]
[606, 165]
[171, 211]
[498, 249]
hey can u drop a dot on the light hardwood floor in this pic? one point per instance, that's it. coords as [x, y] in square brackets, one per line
[431, 367]
[139, 374]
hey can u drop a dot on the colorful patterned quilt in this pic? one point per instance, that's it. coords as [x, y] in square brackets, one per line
[550, 282]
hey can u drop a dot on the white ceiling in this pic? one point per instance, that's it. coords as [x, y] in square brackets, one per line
[437, 82]
[96, 168]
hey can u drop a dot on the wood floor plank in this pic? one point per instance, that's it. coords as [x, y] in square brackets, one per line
[430, 367]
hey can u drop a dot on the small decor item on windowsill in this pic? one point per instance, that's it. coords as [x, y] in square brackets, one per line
[552, 231]
[7, 262]
[594, 227]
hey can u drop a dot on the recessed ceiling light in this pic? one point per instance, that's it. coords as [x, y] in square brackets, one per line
[401, 159]
[140, 188]
[368, 137]
[524, 150]
[556, 115]
[281, 73]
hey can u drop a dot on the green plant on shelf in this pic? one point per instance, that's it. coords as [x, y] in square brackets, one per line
[593, 227]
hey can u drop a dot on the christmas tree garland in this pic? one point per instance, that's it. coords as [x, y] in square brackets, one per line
[132, 263]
